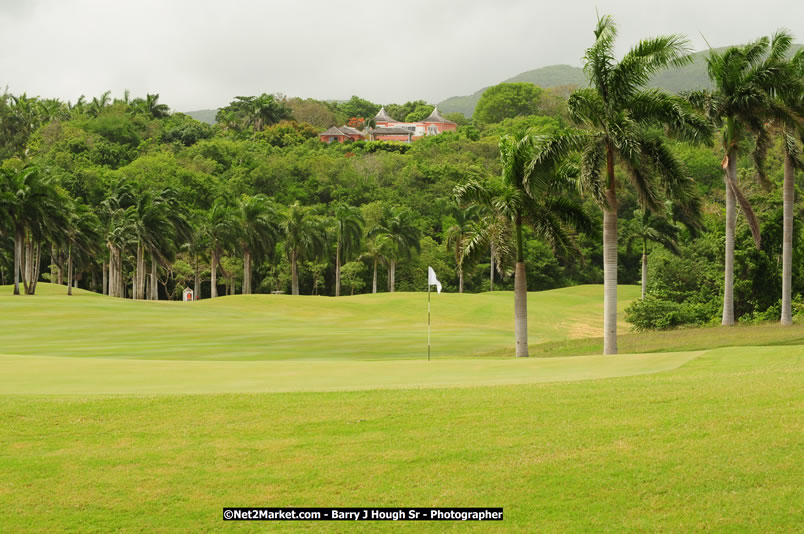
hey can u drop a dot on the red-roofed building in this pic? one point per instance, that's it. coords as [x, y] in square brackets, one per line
[388, 129]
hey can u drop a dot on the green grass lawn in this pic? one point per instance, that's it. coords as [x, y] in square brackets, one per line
[276, 327]
[713, 445]
[111, 431]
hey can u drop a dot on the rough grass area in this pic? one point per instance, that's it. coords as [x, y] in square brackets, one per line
[682, 339]
[714, 445]
[278, 327]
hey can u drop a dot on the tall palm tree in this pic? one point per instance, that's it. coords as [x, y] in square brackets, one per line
[348, 233]
[52, 109]
[377, 249]
[117, 222]
[97, 105]
[26, 118]
[179, 232]
[491, 233]
[651, 227]
[457, 234]
[30, 198]
[258, 230]
[154, 108]
[83, 238]
[528, 194]
[744, 79]
[220, 229]
[305, 238]
[620, 119]
[197, 246]
[152, 230]
[791, 96]
[399, 229]
[266, 110]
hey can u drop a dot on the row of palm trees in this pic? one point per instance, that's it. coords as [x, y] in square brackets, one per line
[154, 227]
[621, 122]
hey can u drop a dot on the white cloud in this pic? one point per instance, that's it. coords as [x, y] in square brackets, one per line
[200, 54]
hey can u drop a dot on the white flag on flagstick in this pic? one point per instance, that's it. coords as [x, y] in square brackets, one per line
[432, 280]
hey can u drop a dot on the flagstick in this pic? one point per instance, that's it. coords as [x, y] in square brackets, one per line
[428, 320]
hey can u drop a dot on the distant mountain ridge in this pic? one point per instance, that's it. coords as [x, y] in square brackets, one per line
[690, 77]
[687, 78]
[203, 115]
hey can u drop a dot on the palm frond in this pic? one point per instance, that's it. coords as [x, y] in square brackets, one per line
[599, 58]
[472, 192]
[657, 108]
[791, 148]
[780, 44]
[593, 158]
[585, 106]
[644, 60]
[748, 211]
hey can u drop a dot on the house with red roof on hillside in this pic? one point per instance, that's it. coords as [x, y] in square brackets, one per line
[388, 129]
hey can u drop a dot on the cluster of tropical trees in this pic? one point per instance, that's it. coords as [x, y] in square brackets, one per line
[121, 196]
[137, 232]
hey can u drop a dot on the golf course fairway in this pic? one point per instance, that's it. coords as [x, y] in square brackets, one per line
[127, 416]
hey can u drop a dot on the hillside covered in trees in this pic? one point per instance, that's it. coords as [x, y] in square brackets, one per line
[118, 195]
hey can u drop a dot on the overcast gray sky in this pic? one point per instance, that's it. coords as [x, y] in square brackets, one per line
[200, 54]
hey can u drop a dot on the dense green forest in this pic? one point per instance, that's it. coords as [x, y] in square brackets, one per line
[119, 195]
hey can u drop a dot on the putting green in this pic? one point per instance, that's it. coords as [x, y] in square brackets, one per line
[59, 375]
[279, 327]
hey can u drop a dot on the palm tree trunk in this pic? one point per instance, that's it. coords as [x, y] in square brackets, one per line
[104, 279]
[644, 268]
[121, 283]
[246, 272]
[610, 263]
[26, 263]
[154, 286]
[491, 269]
[18, 238]
[338, 269]
[111, 270]
[114, 287]
[213, 272]
[197, 284]
[140, 274]
[731, 224]
[37, 266]
[521, 310]
[392, 276]
[294, 274]
[53, 263]
[787, 241]
[28, 270]
[374, 279]
[70, 270]
[520, 297]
